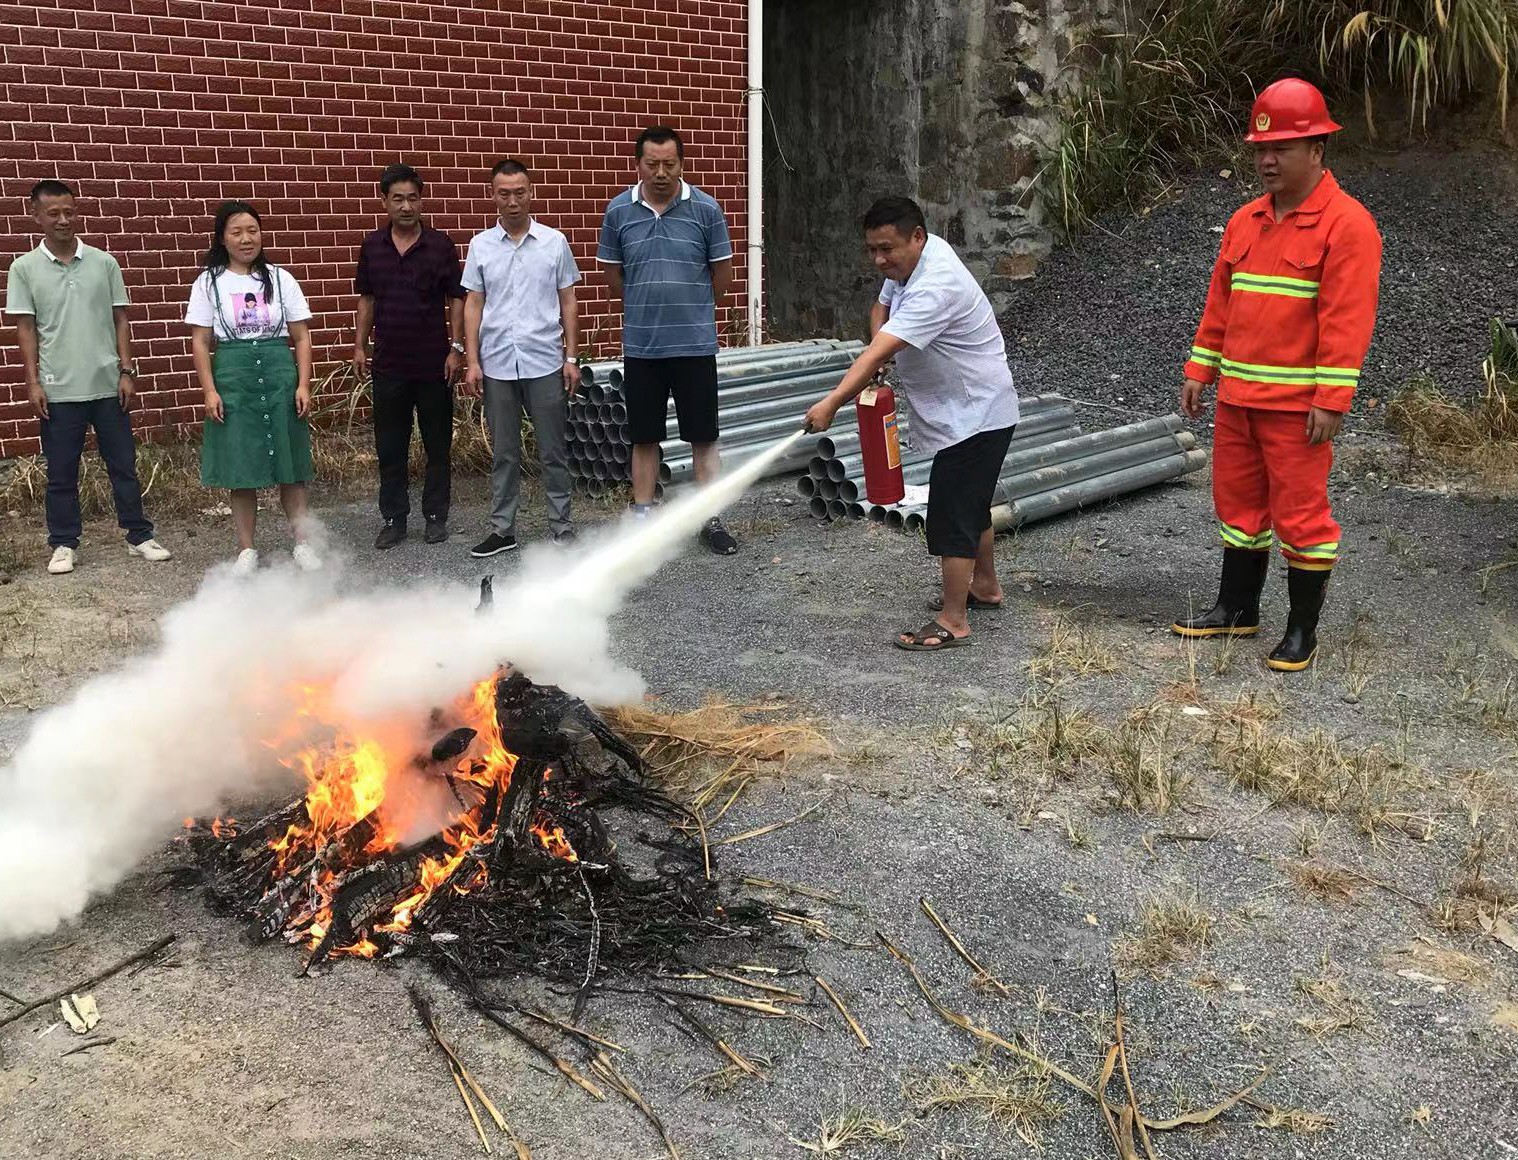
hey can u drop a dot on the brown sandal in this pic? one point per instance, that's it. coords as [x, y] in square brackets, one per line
[932, 631]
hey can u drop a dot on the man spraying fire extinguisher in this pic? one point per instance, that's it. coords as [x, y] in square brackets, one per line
[933, 318]
[1288, 320]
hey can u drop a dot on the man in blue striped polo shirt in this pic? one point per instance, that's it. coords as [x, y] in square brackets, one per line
[668, 257]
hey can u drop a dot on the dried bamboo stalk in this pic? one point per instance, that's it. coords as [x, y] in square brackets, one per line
[844, 1011]
[983, 977]
[620, 1083]
[771, 828]
[469, 1104]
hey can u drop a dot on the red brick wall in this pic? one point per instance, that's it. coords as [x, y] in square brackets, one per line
[159, 109]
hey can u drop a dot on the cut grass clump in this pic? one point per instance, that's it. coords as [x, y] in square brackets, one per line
[710, 754]
[1329, 883]
[851, 1129]
[1480, 438]
[1020, 1098]
[1340, 1009]
[1173, 928]
[1073, 651]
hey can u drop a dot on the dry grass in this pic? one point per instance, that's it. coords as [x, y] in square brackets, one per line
[1428, 957]
[1144, 762]
[711, 753]
[1314, 771]
[1020, 1098]
[1329, 883]
[1297, 1121]
[851, 1129]
[1073, 651]
[1173, 928]
[1341, 1009]
[1479, 438]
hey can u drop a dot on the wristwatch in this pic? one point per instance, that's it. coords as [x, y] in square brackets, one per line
[456, 347]
[129, 371]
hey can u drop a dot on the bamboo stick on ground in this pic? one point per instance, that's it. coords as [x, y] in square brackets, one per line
[844, 1011]
[984, 979]
[608, 1070]
[771, 828]
[474, 1116]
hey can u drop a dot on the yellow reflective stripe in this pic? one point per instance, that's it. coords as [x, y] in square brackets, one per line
[1284, 287]
[1208, 358]
[1264, 373]
[1337, 376]
[1235, 538]
[1276, 280]
[1313, 551]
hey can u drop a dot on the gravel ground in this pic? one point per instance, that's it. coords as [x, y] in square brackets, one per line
[1110, 319]
[231, 1053]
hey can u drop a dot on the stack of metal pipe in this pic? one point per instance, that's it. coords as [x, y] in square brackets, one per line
[1050, 468]
[763, 393]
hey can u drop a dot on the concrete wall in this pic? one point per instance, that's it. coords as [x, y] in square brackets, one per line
[946, 101]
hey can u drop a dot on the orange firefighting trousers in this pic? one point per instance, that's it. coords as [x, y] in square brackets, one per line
[1266, 477]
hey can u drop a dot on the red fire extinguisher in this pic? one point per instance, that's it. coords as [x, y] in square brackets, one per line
[876, 409]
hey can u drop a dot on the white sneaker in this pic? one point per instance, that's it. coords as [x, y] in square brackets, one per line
[151, 550]
[306, 558]
[246, 563]
[62, 561]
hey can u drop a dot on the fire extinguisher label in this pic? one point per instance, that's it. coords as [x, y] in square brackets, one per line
[893, 448]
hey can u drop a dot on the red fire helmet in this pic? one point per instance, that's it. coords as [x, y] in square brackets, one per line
[1289, 109]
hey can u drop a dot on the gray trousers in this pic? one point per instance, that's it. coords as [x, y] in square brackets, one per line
[544, 400]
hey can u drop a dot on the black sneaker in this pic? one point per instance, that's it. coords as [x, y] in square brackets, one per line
[718, 538]
[437, 531]
[566, 537]
[391, 534]
[493, 545]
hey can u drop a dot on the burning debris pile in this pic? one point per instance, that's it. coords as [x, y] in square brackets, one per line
[494, 852]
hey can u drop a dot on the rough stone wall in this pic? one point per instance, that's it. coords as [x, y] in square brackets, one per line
[946, 101]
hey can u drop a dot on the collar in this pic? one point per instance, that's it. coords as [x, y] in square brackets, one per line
[57, 261]
[387, 232]
[1317, 201]
[535, 229]
[922, 260]
[638, 199]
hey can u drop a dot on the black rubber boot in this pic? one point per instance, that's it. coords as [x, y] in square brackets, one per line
[1237, 612]
[1295, 652]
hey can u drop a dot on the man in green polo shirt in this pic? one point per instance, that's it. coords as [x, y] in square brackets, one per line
[69, 304]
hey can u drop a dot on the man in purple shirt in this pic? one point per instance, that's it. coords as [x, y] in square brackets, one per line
[410, 299]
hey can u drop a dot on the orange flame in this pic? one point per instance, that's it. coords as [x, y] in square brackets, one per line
[355, 781]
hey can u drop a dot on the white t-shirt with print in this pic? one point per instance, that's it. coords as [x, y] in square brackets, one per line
[954, 370]
[243, 312]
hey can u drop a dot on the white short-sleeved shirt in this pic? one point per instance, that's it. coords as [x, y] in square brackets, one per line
[238, 309]
[521, 329]
[954, 371]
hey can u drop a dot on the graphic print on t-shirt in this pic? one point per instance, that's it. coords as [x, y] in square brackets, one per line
[249, 314]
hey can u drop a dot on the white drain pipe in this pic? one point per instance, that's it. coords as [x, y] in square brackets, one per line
[755, 214]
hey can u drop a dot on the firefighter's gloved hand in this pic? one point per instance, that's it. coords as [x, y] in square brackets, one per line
[1323, 425]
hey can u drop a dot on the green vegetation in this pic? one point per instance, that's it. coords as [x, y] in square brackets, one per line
[1170, 90]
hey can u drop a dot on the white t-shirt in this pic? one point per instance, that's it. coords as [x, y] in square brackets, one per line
[954, 371]
[241, 311]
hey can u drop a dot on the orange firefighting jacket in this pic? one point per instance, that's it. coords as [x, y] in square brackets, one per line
[1292, 304]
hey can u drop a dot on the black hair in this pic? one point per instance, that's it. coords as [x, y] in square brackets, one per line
[217, 257]
[510, 168]
[901, 212]
[658, 135]
[49, 188]
[397, 174]
[251, 295]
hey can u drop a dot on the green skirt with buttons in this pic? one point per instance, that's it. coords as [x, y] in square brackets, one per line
[262, 442]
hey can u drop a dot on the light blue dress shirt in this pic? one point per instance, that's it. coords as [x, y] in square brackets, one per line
[521, 331]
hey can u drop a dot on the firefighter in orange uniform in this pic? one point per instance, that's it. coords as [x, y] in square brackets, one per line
[1288, 320]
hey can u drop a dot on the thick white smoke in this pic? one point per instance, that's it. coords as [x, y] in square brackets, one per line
[106, 777]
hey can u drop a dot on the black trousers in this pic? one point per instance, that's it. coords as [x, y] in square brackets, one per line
[395, 402]
[63, 433]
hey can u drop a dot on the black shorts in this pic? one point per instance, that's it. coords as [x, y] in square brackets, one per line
[648, 384]
[960, 488]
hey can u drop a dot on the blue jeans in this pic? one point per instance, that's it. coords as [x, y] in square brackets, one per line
[63, 435]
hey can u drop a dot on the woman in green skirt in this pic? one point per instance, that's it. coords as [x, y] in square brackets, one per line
[245, 315]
